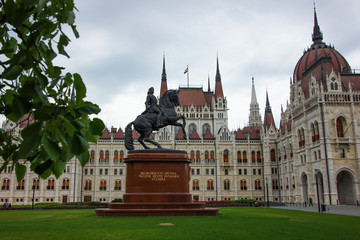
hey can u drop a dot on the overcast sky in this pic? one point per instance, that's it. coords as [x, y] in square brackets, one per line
[121, 45]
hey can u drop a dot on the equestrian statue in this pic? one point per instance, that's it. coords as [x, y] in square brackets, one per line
[155, 117]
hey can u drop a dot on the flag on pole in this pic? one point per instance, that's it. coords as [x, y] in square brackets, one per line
[186, 70]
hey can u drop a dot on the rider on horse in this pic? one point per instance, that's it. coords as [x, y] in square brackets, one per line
[151, 104]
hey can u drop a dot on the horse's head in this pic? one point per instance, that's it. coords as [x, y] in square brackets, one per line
[174, 97]
[170, 98]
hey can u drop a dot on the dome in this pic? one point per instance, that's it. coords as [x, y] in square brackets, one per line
[319, 52]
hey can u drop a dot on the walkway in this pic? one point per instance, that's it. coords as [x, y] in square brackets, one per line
[351, 210]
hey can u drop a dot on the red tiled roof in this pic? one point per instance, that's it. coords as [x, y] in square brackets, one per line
[119, 134]
[26, 120]
[218, 90]
[194, 135]
[163, 88]
[208, 135]
[106, 134]
[192, 96]
[269, 121]
[180, 135]
[254, 135]
[240, 135]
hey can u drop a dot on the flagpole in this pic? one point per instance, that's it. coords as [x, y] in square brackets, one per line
[187, 74]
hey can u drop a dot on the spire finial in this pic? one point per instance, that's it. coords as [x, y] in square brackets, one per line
[317, 35]
[208, 82]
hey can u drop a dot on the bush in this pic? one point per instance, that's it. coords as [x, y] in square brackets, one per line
[244, 201]
[117, 200]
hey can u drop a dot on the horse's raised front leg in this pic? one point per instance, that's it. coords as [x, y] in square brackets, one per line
[183, 126]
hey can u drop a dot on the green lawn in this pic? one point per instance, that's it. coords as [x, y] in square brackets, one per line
[235, 223]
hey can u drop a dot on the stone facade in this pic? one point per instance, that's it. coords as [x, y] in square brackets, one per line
[313, 153]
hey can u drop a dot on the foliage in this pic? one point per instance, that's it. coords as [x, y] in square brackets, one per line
[117, 200]
[32, 86]
[244, 201]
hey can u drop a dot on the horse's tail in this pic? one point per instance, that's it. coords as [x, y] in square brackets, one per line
[129, 141]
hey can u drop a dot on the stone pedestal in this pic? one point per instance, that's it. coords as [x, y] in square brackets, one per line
[157, 184]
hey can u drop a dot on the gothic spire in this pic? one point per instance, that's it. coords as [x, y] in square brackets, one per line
[268, 118]
[254, 117]
[317, 35]
[209, 90]
[218, 85]
[163, 88]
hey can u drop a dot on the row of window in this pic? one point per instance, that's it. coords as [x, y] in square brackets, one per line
[105, 156]
[241, 156]
[103, 185]
[103, 171]
[36, 184]
[210, 185]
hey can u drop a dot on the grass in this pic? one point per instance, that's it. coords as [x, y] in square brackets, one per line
[235, 223]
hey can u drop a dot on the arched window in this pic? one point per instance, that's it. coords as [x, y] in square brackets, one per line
[101, 157]
[51, 184]
[272, 155]
[332, 86]
[299, 138]
[244, 157]
[116, 156]
[195, 184]
[243, 185]
[65, 184]
[316, 127]
[88, 184]
[275, 184]
[336, 86]
[197, 157]
[92, 155]
[6, 184]
[117, 186]
[36, 184]
[339, 127]
[226, 156]
[285, 155]
[21, 185]
[258, 156]
[303, 137]
[206, 156]
[121, 156]
[291, 150]
[192, 156]
[212, 157]
[253, 156]
[102, 185]
[239, 157]
[226, 184]
[210, 185]
[312, 127]
[257, 184]
[107, 156]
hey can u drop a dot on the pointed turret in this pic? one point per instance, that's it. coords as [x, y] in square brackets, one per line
[268, 118]
[317, 36]
[254, 117]
[218, 85]
[209, 90]
[163, 88]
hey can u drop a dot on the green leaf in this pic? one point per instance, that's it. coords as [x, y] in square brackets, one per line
[76, 33]
[20, 106]
[51, 148]
[79, 87]
[58, 168]
[89, 108]
[32, 137]
[96, 126]
[70, 17]
[78, 144]
[20, 171]
[84, 158]
[12, 72]
[40, 169]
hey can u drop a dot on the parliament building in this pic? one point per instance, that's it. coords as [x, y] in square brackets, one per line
[314, 149]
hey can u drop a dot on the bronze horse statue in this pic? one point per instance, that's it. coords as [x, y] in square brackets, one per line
[145, 123]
